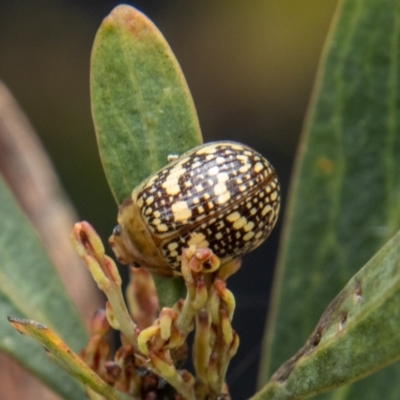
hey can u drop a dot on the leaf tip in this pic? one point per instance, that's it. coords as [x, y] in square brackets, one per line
[20, 324]
[129, 18]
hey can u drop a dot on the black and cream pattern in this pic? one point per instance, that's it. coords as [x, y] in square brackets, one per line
[220, 195]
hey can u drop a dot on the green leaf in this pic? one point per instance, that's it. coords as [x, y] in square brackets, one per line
[30, 288]
[356, 335]
[142, 107]
[346, 191]
[63, 356]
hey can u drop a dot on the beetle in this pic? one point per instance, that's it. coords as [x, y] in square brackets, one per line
[221, 195]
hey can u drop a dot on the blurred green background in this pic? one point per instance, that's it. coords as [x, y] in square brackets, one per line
[250, 67]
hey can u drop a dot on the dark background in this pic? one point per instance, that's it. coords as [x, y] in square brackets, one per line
[250, 67]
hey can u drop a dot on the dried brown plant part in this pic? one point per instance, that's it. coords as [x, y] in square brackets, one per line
[12, 374]
[30, 175]
[28, 172]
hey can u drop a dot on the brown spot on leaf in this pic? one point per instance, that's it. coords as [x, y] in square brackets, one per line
[316, 338]
[358, 292]
[343, 321]
[325, 165]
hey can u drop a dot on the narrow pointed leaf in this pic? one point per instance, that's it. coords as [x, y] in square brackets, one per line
[142, 107]
[30, 288]
[64, 357]
[346, 191]
[356, 336]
